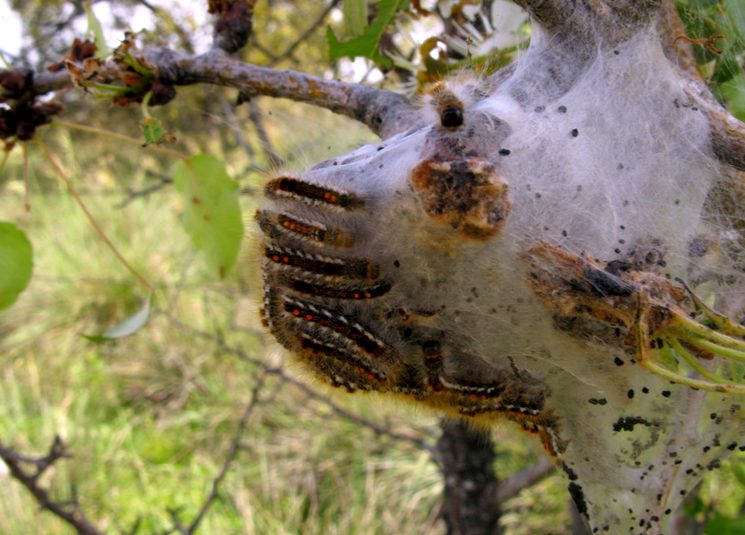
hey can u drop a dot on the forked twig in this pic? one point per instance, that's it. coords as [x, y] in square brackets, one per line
[69, 511]
[235, 448]
[94, 223]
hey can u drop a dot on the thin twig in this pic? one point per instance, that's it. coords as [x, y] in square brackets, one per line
[26, 186]
[164, 14]
[670, 27]
[527, 477]
[230, 459]
[264, 50]
[68, 512]
[113, 136]
[230, 119]
[273, 159]
[144, 192]
[356, 418]
[307, 390]
[303, 36]
[63, 176]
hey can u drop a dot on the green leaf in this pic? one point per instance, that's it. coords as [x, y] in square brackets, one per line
[132, 324]
[738, 469]
[94, 27]
[366, 45]
[695, 508]
[355, 16]
[212, 213]
[733, 92]
[128, 327]
[16, 263]
[721, 525]
[736, 13]
[152, 128]
[5, 62]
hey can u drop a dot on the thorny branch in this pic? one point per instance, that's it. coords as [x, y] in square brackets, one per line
[68, 512]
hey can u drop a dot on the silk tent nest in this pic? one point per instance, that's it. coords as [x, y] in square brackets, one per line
[559, 245]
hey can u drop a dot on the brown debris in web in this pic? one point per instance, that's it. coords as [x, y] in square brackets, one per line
[467, 194]
[585, 288]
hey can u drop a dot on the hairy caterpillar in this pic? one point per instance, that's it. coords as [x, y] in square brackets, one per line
[516, 255]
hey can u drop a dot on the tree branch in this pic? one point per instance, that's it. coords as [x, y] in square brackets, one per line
[727, 132]
[527, 477]
[69, 513]
[467, 464]
[46, 82]
[162, 182]
[727, 135]
[308, 31]
[677, 50]
[384, 112]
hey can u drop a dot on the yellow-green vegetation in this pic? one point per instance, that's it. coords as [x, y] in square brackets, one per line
[150, 418]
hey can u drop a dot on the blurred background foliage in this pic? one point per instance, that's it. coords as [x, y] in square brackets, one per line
[151, 418]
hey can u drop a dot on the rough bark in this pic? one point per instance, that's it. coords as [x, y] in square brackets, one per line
[467, 460]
